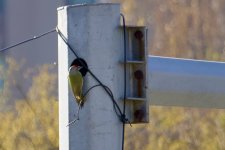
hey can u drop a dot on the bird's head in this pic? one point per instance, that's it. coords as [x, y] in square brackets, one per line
[81, 65]
[78, 67]
[75, 68]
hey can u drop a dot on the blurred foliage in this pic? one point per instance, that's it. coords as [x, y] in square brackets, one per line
[176, 128]
[187, 29]
[180, 28]
[30, 122]
[8, 80]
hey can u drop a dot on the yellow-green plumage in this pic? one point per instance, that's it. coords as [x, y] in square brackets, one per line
[76, 84]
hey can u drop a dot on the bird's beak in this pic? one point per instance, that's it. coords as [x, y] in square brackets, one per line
[79, 67]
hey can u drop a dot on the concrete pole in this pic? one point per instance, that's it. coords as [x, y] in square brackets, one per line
[93, 31]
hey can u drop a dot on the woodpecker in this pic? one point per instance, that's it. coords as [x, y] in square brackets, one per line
[76, 83]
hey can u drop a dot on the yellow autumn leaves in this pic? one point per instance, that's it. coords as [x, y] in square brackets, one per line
[31, 121]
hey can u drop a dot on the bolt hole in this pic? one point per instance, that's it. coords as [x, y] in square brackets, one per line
[138, 35]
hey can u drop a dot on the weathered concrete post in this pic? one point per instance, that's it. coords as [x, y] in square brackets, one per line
[93, 31]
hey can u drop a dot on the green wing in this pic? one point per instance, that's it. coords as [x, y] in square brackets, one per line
[76, 84]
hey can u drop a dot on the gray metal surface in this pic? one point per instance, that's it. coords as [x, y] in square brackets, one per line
[186, 82]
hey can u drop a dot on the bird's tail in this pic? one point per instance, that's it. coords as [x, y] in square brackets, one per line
[82, 100]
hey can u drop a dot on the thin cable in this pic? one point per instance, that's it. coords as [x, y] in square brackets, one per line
[94, 86]
[107, 90]
[125, 76]
[78, 116]
[85, 94]
[78, 112]
[28, 40]
[71, 49]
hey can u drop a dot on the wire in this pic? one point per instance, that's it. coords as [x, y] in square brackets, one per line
[108, 91]
[78, 115]
[85, 94]
[116, 107]
[28, 40]
[121, 115]
[125, 76]
[94, 86]
[118, 111]
[78, 112]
